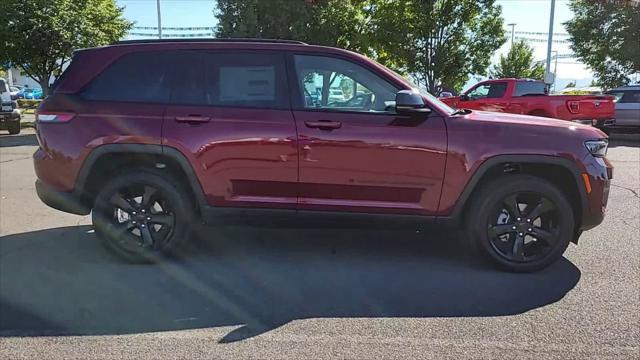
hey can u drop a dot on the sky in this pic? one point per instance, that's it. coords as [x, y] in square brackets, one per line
[528, 15]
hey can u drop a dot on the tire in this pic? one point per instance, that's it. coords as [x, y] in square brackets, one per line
[13, 127]
[524, 237]
[142, 216]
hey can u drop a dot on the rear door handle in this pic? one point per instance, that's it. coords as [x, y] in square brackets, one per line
[193, 119]
[323, 124]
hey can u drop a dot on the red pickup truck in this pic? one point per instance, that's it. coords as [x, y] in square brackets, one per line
[528, 97]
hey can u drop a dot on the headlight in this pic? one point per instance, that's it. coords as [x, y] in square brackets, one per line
[597, 148]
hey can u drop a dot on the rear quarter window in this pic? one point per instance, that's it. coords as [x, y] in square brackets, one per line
[137, 77]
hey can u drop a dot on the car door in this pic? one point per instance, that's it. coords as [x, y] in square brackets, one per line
[356, 154]
[487, 97]
[628, 108]
[230, 115]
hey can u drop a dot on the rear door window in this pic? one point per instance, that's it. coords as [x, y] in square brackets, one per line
[244, 79]
[630, 97]
[137, 77]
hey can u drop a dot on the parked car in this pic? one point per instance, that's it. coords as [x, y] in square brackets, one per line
[33, 94]
[627, 99]
[528, 97]
[9, 114]
[14, 90]
[152, 159]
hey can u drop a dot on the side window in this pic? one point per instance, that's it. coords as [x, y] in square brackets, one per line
[630, 97]
[335, 84]
[137, 77]
[529, 88]
[488, 91]
[246, 80]
[187, 80]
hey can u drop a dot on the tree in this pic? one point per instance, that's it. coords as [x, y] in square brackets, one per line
[39, 36]
[604, 35]
[518, 64]
[570, 84]
[340, 23]
[439, 42]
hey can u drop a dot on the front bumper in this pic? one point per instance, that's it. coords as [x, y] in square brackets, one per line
[599, 172]
[60, 200]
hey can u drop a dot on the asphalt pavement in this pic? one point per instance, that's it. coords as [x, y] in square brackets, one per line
[311, 293]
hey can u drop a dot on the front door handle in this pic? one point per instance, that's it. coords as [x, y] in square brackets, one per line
[193, 119]
[323, 124]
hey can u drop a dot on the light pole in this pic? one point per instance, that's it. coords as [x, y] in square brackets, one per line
[548, 78]
[159, 20]
[513, 28]
[555, 68]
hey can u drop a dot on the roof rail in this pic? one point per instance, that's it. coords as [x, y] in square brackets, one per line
[151, 41]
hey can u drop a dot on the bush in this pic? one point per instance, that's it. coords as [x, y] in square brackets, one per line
[28, 104]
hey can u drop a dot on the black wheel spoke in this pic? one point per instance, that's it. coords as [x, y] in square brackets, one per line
[147, 238]
[147, 196]
[544, 235]
[162, 219]
[540, 208]
[518, 247]
[497, 230]
[511, 203]
[119, 201]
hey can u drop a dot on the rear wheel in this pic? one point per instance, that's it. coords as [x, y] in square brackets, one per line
[520, 222]
[141, 216]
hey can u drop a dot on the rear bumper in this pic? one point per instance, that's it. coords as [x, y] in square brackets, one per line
[60, 200]
[599, 123]
[9, 116]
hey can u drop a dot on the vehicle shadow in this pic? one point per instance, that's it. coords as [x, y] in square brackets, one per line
[18, 140]
[62, 282]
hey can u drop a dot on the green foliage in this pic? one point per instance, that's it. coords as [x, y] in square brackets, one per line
[438, 42]
[28, 103]
[570, 84]
[604, 35]
[339, 23]
[518, 64]
[39, 36]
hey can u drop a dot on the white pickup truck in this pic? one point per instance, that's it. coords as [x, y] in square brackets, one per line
[9, 113]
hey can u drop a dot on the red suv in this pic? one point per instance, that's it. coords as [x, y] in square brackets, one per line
[153, 137]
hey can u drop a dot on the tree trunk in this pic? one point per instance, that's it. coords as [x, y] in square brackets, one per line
[44, 85]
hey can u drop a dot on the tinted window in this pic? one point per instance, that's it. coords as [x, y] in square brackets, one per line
[188, 85]
[246, 80]
[529, 88]
[630, 97]
[491, 90]
[3, 86]
[331, 83]
[138, 77]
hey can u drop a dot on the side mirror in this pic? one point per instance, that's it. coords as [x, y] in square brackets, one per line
[464, 97]
[409, 103]
[446, 94]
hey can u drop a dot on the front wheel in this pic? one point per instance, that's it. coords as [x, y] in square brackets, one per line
[521, 222]
[142, 216]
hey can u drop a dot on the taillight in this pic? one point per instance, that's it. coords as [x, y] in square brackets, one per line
[54, 117]
[574, 106]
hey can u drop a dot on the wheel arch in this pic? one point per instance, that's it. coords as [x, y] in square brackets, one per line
[110, 159]
[559, 171]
